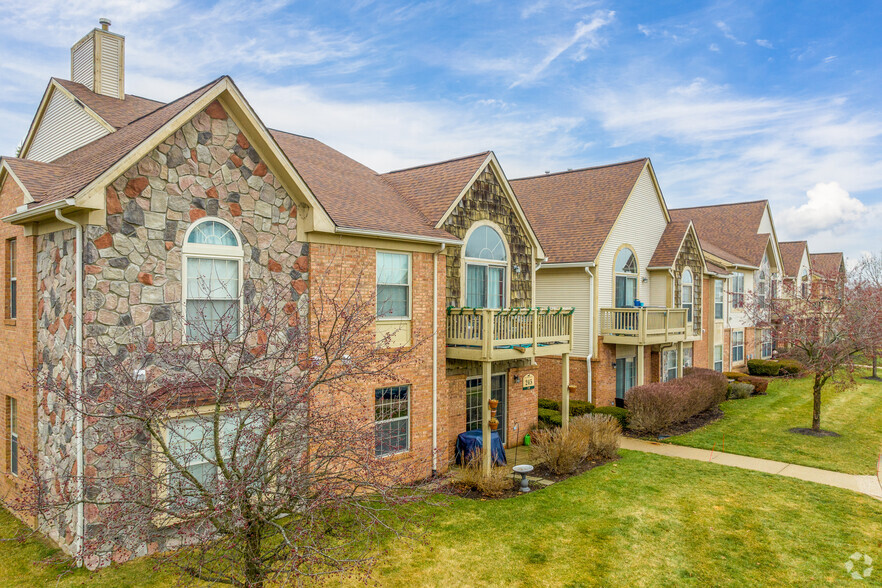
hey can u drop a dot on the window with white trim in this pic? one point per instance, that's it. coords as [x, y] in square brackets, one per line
[191, 443]
[626, 278]
[486, 265]
[391, 420]
[12, 427]
[804, 283]
[719, 292]
[737, 346]
[212, 276]
[718, 358]
[737, 290]
[686, 295]
[11, 280]
[393, 285]
[766, 349]
[670, 364]
[687, 357]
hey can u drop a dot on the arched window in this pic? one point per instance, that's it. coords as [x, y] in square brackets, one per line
[626, 278]
[486, 264]
[804, 283]
[686, 293]
[761, 281]
[212, 264]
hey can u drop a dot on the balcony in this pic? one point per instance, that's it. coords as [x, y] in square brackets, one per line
[645, 326]
[484, 334]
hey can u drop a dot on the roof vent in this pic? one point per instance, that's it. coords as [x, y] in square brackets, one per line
[98, 61]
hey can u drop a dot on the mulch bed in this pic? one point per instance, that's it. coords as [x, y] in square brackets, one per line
[690, 424]
[540, 472]
[813, 433]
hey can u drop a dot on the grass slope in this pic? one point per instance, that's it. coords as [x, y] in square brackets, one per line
[758, 427]
[646, 520]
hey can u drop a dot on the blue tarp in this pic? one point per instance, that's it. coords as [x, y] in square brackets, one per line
[471, 441]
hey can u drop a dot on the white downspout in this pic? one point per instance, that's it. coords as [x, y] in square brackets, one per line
[80, 456]
[435, 358]
[590, 393]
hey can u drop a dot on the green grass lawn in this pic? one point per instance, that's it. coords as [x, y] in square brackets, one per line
[759, 427]
[645, 520]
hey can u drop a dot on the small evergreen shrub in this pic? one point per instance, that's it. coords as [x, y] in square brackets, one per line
[618, 413]
[549, 404]
[759, 384]
[580, 407]
[763, 367]
[739, 390]
[549, 417]
[790, 367]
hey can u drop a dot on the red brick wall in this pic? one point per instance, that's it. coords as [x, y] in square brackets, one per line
[344, 263]
[17, 342]
[523, 405]
[549, 369]
[603, 374]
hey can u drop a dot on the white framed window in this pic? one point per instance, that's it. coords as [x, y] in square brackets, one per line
[718, 299]
[212, 263]
[737, 346]
[190, 441]
[766, 349]
[737, 290]
[12, 427]
[686, 293]
[626, 278]
[11, 280]
[718, 358]
[391, 420]
[804, 283]
[393, 285]
[474, 397]
[761, 288]
[669, 364]
[486, 268]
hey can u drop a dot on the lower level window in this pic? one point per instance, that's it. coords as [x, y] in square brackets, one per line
[474, 396]
[687, 357]
[392, 418]
[718, 358]
[737, 346]
[12, 427]
[670, 364]
[766, 350]
[191, 442]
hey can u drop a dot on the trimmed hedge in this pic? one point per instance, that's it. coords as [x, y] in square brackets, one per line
[790, 367]
[550, 417]
[759, 384]
[657, 406]
[621, 414]
[577, 407]
[763, 367]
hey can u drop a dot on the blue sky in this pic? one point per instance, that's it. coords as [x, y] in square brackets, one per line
[731, 100]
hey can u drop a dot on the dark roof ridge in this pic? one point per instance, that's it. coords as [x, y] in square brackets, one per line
[272, 130]
[581, 169]
[424, 165]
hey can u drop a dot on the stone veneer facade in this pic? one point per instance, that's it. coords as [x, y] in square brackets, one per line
[133, 269]
[690, 256]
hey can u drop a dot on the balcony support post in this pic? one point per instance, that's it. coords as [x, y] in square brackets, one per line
[486, 382]
[565, 392]
[641, 368]
[680, 359]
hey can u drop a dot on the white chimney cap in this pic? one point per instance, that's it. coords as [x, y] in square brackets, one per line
[105, 23]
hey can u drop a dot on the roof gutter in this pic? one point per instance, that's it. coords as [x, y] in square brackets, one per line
[396, 236]
[43, 209]
[565, 265]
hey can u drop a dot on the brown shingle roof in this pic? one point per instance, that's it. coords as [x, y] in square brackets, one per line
[572, 212]
[117, 113]
[729, 231]
[791, 256]
[714, 268]
[432, 188]
[668, 247]
[827, 265]
[72, 172]
[354, 195]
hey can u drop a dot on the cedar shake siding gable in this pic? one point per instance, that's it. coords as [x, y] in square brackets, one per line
[573, 212]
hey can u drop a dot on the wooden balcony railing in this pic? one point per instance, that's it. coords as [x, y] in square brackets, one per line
[644, 326]
[485, 334]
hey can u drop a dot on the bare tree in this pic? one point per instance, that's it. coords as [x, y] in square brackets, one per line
[867, 284]
[247, 452]
[823, 332]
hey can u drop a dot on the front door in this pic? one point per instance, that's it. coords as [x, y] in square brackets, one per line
[626, 376]
[474, 393]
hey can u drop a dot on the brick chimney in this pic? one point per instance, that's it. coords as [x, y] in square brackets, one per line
[98, 61]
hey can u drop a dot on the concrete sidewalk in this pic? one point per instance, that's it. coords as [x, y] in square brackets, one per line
[869, 485]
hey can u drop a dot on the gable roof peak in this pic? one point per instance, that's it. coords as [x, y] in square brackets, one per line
[482, 154]
[582, 169]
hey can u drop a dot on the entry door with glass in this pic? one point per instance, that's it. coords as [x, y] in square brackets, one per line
[626, 378]
[474, 393]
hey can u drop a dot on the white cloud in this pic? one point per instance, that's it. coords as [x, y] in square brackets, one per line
[714, 47]
[645, 30]
[829, 58]
[727, 32]
[765, 43]
[828, 205]
[583, 38]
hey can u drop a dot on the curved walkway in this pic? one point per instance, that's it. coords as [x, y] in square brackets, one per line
[869, 485]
